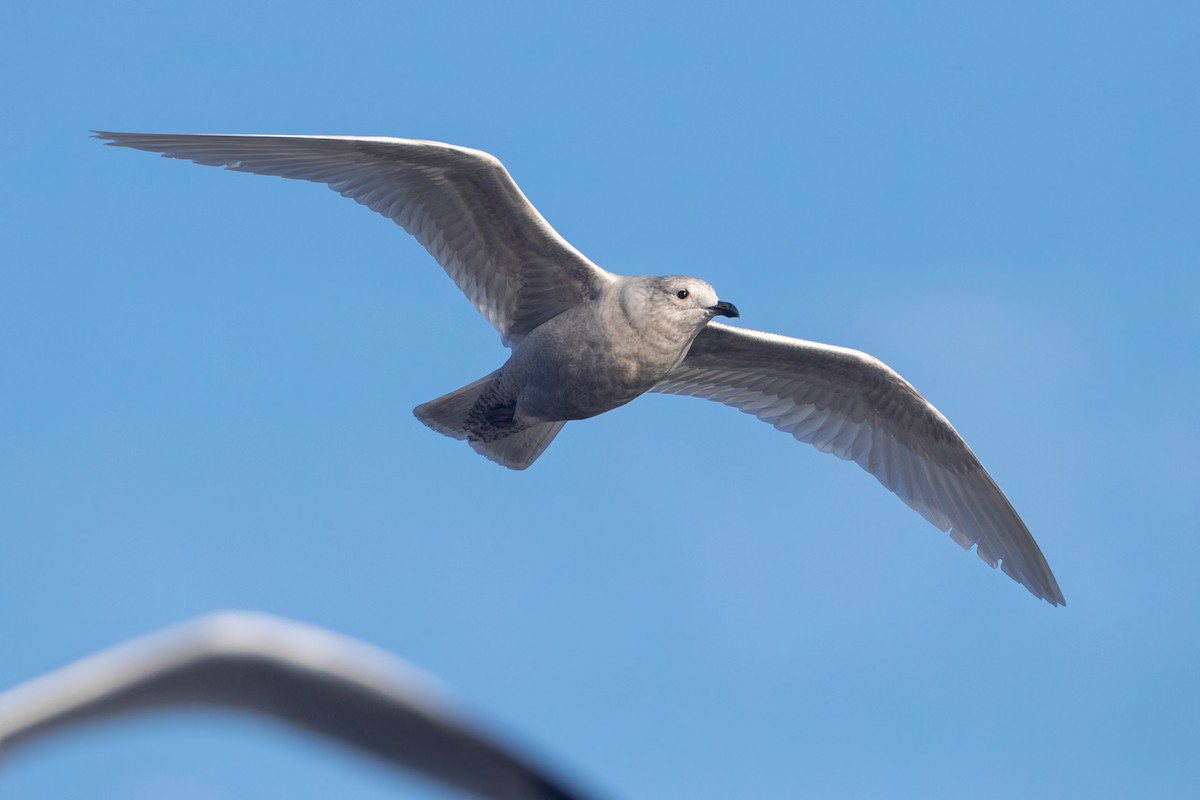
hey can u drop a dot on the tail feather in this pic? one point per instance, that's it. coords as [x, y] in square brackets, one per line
[448, 413]
[520, 449]
[451, 415]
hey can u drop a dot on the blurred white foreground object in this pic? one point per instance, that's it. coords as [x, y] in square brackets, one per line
[305, 676]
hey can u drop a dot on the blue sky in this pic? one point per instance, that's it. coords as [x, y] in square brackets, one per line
[206, 381]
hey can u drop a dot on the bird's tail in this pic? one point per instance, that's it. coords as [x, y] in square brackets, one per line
[518, 450]
[450, 414]
[455, 415]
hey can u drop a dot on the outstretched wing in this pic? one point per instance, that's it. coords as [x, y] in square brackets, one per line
[460, 204]
[847, 403]
[334, 686]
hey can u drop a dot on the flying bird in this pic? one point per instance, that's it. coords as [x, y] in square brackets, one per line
[585, 340]
[311, 678]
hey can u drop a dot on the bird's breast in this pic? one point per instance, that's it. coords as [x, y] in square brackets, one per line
[575, 367]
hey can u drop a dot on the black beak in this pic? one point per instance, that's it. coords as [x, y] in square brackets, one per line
[725, 309]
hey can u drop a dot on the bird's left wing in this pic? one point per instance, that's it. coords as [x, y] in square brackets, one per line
[852, 405]
[336, 687]
[460, 204]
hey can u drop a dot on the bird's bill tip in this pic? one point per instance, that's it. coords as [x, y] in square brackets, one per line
[724, 309]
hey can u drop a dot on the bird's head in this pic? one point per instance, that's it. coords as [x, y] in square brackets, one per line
[685, 298]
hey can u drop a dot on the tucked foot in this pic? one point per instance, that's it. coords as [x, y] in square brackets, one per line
[501, 416]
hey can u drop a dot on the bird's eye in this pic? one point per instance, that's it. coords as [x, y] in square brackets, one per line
[682, 294]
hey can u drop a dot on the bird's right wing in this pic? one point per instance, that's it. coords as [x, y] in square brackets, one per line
[460, 204]
[847, 403]
[334, 686]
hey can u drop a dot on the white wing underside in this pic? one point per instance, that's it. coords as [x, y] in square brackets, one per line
[336, 687]
[847, 403]
[460, 204]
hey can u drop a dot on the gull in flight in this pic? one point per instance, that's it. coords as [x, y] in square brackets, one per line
[311, 678]
[585, 340]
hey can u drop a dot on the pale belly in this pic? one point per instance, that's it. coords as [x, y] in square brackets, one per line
[562, 374]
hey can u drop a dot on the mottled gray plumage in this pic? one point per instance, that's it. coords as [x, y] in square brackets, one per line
[336, 687]
[586, 340]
